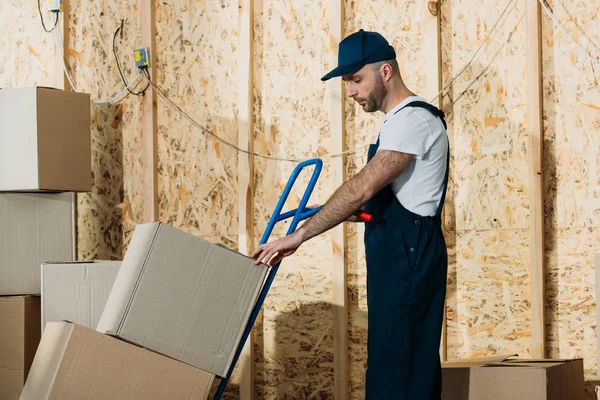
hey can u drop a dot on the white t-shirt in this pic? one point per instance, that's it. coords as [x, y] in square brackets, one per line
[417, 131]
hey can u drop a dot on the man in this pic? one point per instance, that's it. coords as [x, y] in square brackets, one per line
[403, 186]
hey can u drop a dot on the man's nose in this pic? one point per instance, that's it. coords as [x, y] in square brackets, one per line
[350, 92]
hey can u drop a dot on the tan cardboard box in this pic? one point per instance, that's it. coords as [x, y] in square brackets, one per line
[502, 378]
[76, 291]
[78, 363]
[183, 297]
[45, 140]
[19, 339]
[34, 228]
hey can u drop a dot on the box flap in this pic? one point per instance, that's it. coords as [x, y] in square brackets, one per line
[476, 362]
[79, 262]
[533, 363]
[47, 360]
[128, 278]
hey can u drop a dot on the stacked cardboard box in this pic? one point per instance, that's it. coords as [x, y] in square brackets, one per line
[170, 316]
[183, 297]
[76, 291]
[19, 338]
[45, 158]
[77, 363]
[172, 322]
[504, 378]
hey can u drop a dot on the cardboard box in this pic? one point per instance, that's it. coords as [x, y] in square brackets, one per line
[76, 291]
[502, 378]
[19, 339]
[34, 228]
[78, 363]
[45, 140]
[183, 297]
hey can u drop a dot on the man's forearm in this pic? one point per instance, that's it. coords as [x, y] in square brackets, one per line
[346, 200]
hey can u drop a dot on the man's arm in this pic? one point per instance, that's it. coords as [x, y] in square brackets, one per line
[385, 166]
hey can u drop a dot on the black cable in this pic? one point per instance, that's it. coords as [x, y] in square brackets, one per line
[42, 18]
[141, 93]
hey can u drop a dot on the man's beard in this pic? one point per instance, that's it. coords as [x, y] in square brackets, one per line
[374, 100]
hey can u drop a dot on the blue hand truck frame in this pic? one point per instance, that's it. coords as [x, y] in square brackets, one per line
[299, 214]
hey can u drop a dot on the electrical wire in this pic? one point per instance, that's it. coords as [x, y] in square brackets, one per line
[114, 46]
[42, 18]
[68, 75]
[567, 34]
[491, 61]
[116, 96]
[483, 42]
[160, 92]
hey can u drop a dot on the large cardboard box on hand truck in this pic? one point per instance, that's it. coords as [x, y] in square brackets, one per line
[78, 363]
[503, 378]
[34, 228]
[45, 140]
[76, 291]
[19, 338]
[183, 297]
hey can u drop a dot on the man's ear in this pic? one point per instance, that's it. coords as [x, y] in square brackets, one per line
[386, 72]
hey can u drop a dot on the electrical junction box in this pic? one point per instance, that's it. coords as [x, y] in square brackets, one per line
[55, 5]
[142, 57]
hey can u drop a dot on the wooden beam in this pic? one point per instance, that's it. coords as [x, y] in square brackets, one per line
[149, 115]
[60, 78]
[432, 46]
[335, 98]
[61, 82]
[536, 199]
[246, 169]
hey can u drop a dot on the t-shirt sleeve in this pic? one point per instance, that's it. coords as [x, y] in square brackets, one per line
[407, 132]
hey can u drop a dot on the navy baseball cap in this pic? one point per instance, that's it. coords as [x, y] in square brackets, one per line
[359, 49]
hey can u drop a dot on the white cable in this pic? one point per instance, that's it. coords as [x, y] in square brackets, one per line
[65, 69]
[483, 42]
[62, 57]
[491, 61]
[121, 92]
[567, 34]
[351, 151]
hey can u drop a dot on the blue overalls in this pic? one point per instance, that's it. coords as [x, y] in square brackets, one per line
[407, 263]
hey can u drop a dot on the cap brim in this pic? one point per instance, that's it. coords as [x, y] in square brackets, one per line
[343, 70]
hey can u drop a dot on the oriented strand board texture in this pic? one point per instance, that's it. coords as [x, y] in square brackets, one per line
[492, 314]
[572, 138]
[197, 68]
[27, 56]
[108, 214]
[401, 23]
[487, 209]
[294, 341]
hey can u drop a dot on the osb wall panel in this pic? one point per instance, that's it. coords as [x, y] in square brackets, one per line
[401, 23]
[27, 56]
[571, 120]
[492, 314]
[108, 214]
[196, 49]
[294, 341]
[488, 199]
[197, 68]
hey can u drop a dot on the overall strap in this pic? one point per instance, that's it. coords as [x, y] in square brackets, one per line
[440, 114]
[430, 107]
